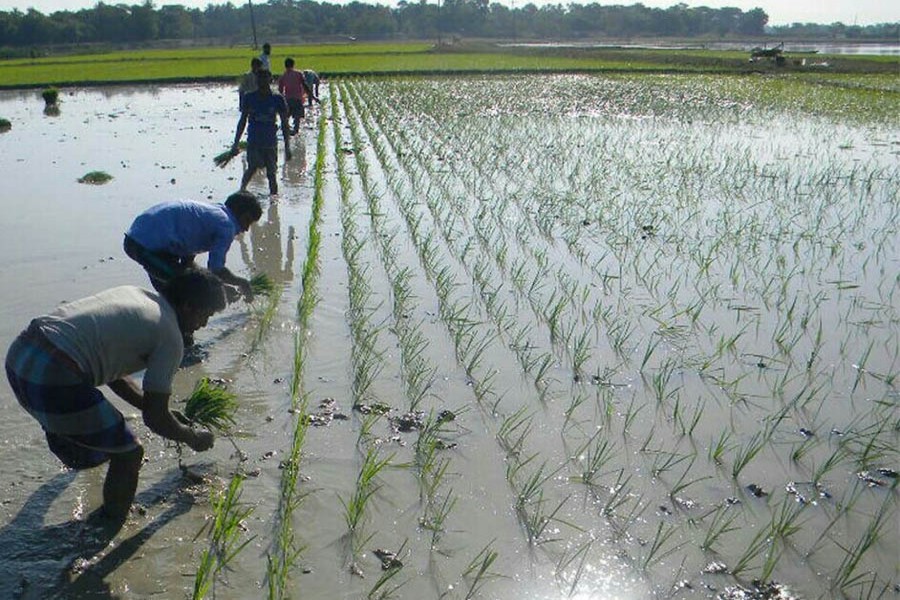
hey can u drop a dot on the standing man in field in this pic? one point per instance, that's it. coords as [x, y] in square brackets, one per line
[57, 364]
[165, 238]
[261, 110]
[292, 85]
[265, 57]
[247, 82]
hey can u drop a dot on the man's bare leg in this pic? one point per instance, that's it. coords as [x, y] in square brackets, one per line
[121, 482]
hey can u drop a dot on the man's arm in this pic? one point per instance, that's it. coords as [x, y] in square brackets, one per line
[242, 124]
[126, 389]
[161, 421]
[228, 277]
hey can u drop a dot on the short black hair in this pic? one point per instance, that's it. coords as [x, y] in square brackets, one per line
[244, 203]
[289, 62]
[255, 62]
[198, 287]
[266, 46]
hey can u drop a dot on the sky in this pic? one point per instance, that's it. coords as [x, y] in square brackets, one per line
[781, 12]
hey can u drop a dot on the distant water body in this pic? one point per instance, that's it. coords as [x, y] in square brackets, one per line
[820, 48]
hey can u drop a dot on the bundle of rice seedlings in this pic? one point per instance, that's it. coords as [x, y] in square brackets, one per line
[223, 159]
[212, 406]
[50, 96]
[5, 125]
[95, 178]
[262, 284]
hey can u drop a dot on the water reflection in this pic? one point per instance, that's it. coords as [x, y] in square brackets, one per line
[52, 110]
[294, 170]
[263, 253]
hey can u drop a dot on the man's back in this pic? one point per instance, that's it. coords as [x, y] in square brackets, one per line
[186, 228]
[291, 84]
[118, 332]
[262, 116]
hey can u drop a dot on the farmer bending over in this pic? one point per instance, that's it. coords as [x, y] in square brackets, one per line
[56, 365]
[261, 109]
[165, 238]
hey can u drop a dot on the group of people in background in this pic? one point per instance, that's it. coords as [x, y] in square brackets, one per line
[56, 366]
[261, 109]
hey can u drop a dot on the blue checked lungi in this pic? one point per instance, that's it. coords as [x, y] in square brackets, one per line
[83, 428]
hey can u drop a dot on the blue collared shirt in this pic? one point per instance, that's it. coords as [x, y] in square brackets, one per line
[185, 228]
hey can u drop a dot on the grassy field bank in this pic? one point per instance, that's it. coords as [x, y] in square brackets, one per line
[222, 63]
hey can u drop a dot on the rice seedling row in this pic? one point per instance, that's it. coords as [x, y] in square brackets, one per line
[675, 365]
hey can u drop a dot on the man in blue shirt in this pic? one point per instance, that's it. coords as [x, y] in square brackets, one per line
[261, 109]
[165, 238]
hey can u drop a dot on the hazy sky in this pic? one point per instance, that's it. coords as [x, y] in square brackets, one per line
[781, 12]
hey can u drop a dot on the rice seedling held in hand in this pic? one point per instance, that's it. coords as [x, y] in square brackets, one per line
[224, 158]
[262, 284]
[212, 406]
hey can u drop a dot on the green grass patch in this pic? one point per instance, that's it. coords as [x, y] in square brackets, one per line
[95, 178]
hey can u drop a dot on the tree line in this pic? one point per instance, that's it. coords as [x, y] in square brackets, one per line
[126, 24]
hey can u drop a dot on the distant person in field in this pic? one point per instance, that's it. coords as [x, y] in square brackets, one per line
[265, 57]
[247, 82]
[260, 114]
[165, 238]
[312, 83]
[292, 85]
[57, 364]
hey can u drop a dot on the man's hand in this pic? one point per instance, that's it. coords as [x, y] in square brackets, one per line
[201, 440]
[247, 289]
[232, 294]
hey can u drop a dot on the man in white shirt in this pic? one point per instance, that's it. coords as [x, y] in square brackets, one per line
[57, 364]
[266, 57]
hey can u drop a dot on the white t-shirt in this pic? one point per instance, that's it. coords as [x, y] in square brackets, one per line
[118, 332]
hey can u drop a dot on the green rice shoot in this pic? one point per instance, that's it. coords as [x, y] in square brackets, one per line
[262, 284]
[50, 95]
[212, 406]
[5, 125]
[224, 158]
[96, 178]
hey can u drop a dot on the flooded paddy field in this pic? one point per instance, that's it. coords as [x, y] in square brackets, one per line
[568, 337]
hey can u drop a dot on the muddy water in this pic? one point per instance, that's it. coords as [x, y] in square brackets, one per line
[390, 149]
[63, 241]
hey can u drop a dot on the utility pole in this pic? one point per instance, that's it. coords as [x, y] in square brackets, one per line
[439, 22]
[252, 23]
